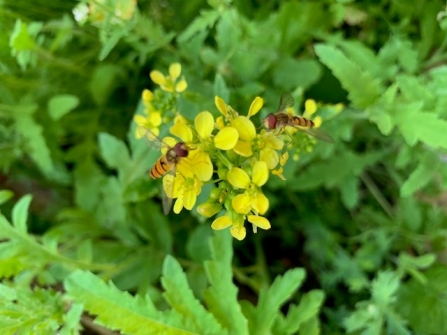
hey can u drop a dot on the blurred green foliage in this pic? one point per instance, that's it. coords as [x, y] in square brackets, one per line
[359, 227]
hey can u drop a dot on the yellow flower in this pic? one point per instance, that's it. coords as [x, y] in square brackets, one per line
[252, 199]
[269, 143]
[184, 189]
[170, 83]
[237, 229]
[151, 122]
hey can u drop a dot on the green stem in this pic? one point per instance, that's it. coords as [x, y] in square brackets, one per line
[375, 191]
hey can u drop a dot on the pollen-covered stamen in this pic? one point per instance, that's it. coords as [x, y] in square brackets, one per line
[270, 121]
[181, 149]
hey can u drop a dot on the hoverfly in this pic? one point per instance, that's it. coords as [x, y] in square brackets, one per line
[166, 163]
[281, 119]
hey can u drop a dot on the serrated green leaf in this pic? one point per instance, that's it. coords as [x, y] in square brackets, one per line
[72, 320]
[384, 288]
[20, 213]
[114, 151]
[182, 300]
[308, 308]
[310, 327]
[201, 23]
[221, 297]
[32, 132]
[363, 89]
[5, 195]
[273, 298]
[119, 310]
[421, 175]
[220, 87]
[7, 293]
[62, 104]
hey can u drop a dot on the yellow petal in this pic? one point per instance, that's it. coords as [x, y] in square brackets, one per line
[260, 203]
[181, 86]
[155, 119]
[284, 158]
[208, 209]
[140, 120]
[256, 106]
[226, 138]
[269, 156]
[182, 131]
[147, 95]
[178, 206]
[189, 199]
[259, 221]
[245, 128]
[204, 123]
[238, 232]
[260, 173]
[279, 172]
[201, 164]
[310, 107]
[274, 142]
[241, 203]
[243, 148]
[220, 124]
[175, 70]
[221, 222]
[157, 77]
[318, 121]
[221, 105]
[238, 178]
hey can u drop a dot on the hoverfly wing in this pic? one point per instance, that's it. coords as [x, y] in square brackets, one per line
[167, 193]
[285, 101]
[318, 133]
[166, 201]
[152, 140]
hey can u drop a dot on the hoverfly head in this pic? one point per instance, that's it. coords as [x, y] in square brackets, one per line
[181, 149]
[270, 121]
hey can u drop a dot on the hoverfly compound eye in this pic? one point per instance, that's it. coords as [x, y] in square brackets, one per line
[181, 149]
[270, 121]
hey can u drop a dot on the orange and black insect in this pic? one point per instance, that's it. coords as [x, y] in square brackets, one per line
[166, 163]
[281, 119]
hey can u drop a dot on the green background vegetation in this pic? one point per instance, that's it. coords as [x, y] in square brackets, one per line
[358, 235]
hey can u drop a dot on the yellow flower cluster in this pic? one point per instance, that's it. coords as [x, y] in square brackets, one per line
[228, 148]
[153, 116]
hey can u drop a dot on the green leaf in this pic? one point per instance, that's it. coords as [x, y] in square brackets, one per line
[20, 213]
[420, 177]
[423, 305]
[119, 310]
[349, 192]
[113, 151]
[273, 298]
[104, 80]
[182, 300]
[221, 297]
[363, 89]
[220, 87]
[290, 73]
[5, 195]
[62, 104]
[20, 38]
[198, 244]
